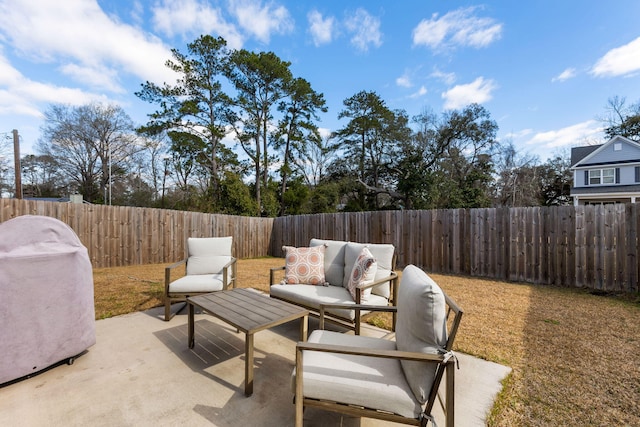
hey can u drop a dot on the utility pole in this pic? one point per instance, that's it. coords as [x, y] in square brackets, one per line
[17, 168]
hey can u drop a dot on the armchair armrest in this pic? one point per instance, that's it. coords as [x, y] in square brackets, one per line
[393, 294]
[390, 278]
[225, 282]
[357, 308]
[272, 272]
[167, 273]
[363, 351]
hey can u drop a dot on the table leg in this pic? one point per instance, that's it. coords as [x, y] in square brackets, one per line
[190, 339]
[248, 365]
[304, 328]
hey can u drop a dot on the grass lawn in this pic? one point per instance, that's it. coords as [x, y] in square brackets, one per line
[575, 356]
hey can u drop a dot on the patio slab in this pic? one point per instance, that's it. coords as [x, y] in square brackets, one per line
[142, 373]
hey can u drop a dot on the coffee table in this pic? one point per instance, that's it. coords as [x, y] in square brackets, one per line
[248, 311]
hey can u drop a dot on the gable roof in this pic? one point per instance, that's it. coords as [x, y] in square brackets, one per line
[579, 153]
[585, 156]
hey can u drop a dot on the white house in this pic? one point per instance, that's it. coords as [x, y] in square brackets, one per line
[606, 173]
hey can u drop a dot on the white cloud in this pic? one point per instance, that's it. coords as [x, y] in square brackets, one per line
[105, 78]
[321, 29]
[478, 91]
[79, 32]
[621, 61]
[447, 78]
[404, 81]
[21, 96]
[193, 17]
[570, 135]
[365, 29]
[567, 74]
[420, 92]
[519, 134]
[325, 132]
[457, 28]
[262, 20]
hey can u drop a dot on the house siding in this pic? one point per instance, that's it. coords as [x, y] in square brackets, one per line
[627, 176]
[608, 155]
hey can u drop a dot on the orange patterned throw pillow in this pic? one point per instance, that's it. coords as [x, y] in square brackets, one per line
[304, 265]
[362, 274]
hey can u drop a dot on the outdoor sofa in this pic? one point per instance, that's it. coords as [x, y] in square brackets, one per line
[337, 267]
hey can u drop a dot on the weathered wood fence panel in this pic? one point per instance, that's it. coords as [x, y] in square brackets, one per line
[585, 246]
[119, 235]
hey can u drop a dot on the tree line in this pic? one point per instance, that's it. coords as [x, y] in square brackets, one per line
[238, 133]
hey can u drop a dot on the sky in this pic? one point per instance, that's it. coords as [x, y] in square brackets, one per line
[544, 69]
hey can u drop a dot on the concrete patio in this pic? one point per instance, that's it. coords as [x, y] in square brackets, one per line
[141, 373]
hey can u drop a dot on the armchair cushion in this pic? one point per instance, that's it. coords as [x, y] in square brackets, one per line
[421, 327]
[304, 265]
[208, 255]
[358, 380]
[196, 283]
[362, 273]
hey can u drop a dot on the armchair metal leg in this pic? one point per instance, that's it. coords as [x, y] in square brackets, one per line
[167, 310]
[450, 394]
[299, 399]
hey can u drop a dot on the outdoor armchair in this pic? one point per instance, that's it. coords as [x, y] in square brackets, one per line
[209, 267]
[390, 380]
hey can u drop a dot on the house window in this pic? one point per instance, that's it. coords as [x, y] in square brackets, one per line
[617, 147]
[602, 176]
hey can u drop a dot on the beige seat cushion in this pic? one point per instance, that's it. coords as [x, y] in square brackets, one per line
[313, 296]
[196, 283]
[363, 381]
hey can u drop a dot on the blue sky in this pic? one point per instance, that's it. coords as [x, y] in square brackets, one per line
[544, 69]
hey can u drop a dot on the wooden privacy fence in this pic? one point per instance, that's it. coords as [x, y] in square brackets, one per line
[585, 246]
[120, 235]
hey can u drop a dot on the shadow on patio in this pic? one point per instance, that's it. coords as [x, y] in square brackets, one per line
[141, 372]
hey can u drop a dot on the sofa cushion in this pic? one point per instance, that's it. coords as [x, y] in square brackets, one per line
[304, 265]
[383, 253]
[313, 296]
[333, 260]
[362, 274]
[361, 381]
[196, 283]
[207, 255]
[421, 326]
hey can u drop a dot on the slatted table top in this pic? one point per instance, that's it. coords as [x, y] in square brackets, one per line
[247, 310]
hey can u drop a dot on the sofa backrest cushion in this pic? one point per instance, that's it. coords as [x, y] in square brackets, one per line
[207, 255]
[421, 327]
[382, 252]
[333, 260]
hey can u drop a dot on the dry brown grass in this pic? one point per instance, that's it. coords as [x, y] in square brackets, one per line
[575, 356]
